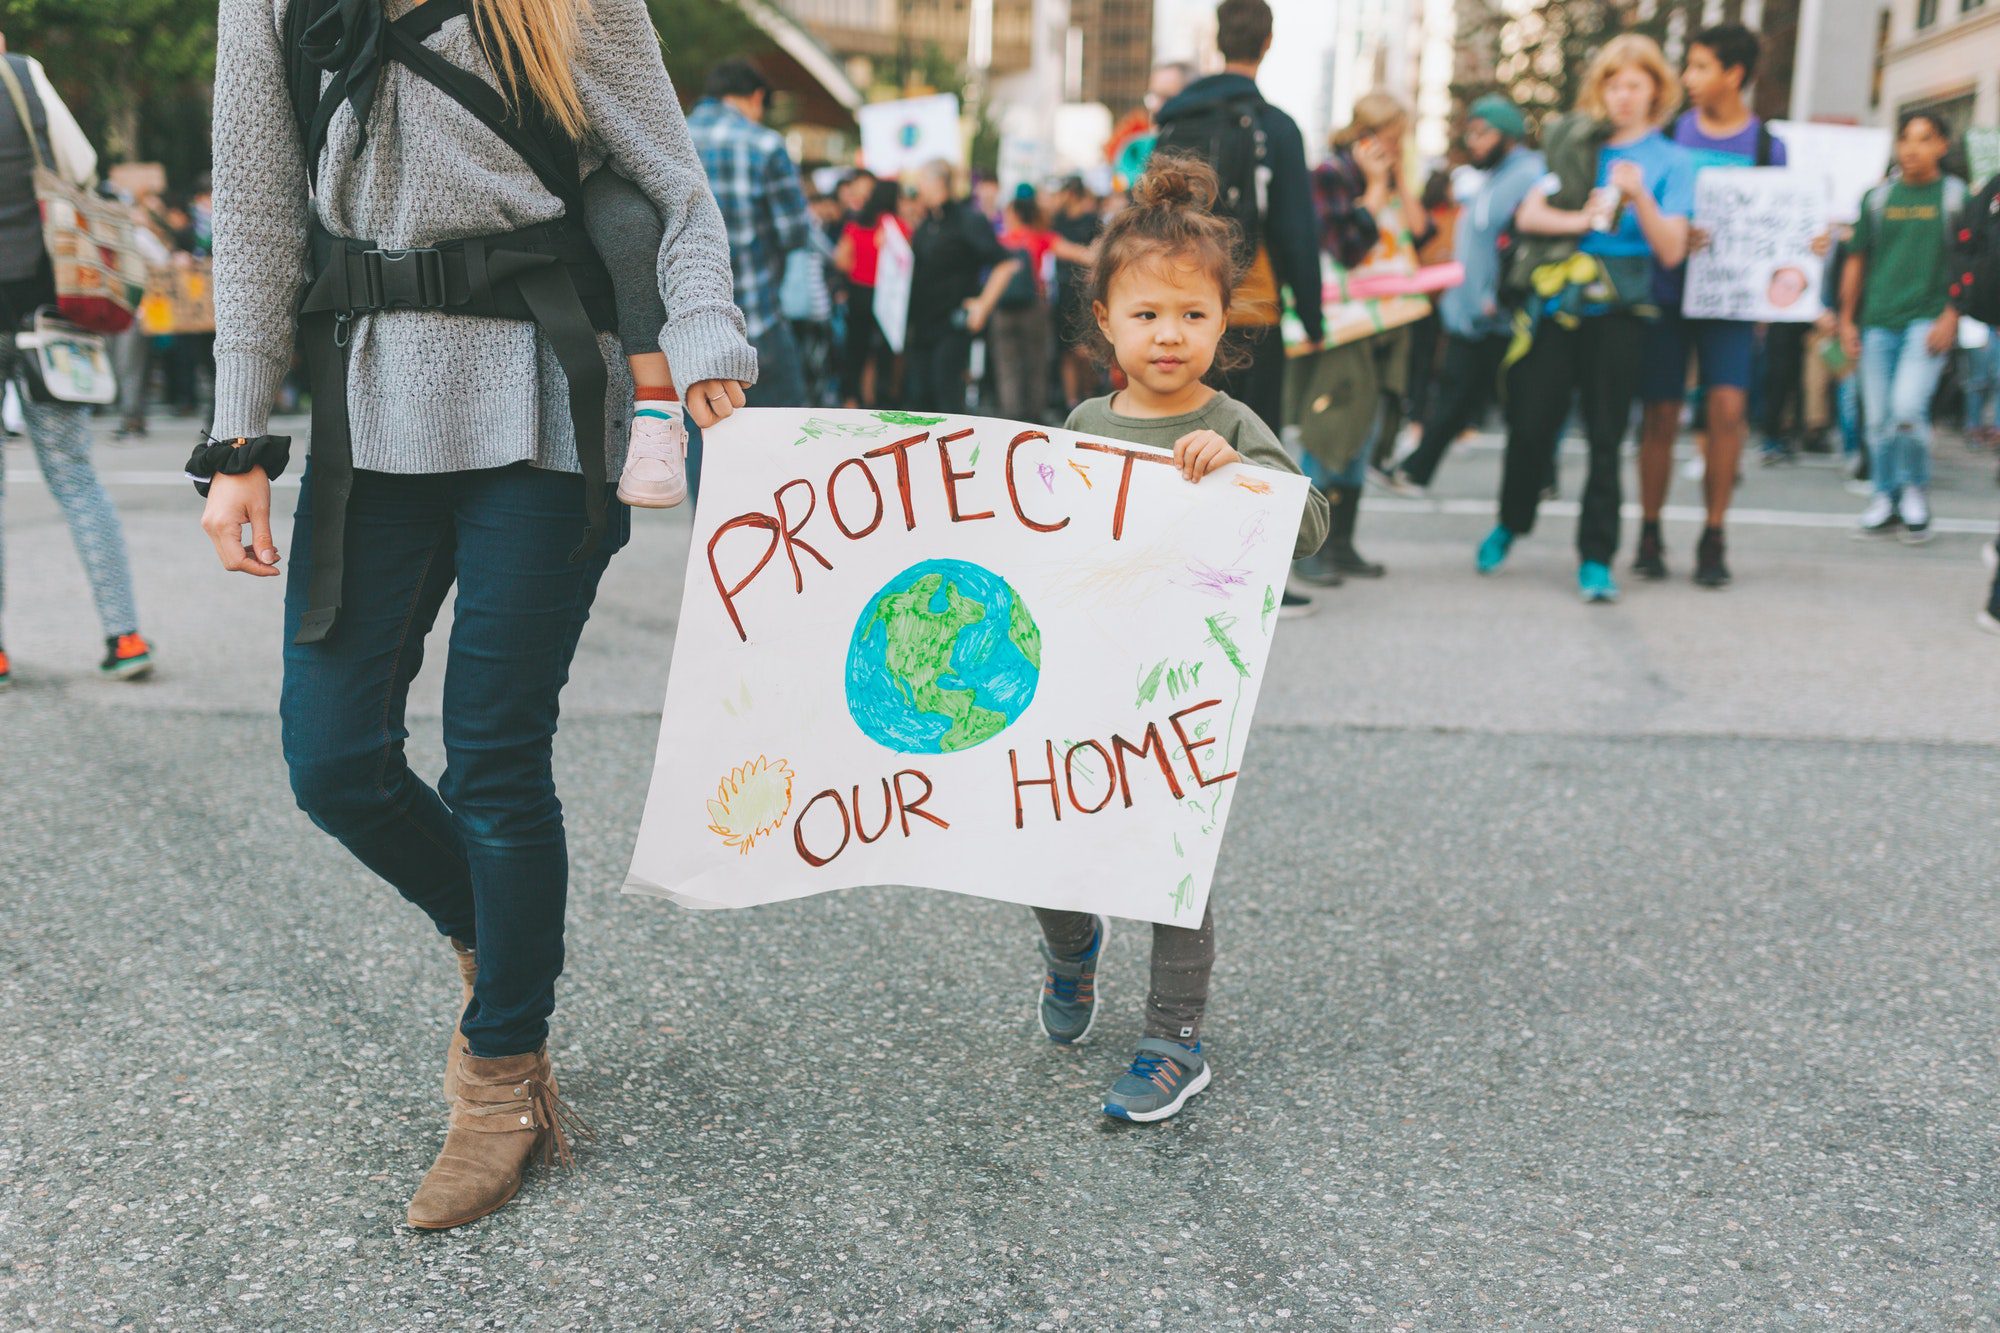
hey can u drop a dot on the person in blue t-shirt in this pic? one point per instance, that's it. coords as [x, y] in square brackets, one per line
[1717, 129]
[1634, 222]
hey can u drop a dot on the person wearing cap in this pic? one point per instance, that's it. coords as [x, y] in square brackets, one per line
[1477, 330]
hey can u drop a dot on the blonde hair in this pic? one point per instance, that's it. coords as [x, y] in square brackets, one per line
[1628, 51]
[534, 42]
[1374, 111]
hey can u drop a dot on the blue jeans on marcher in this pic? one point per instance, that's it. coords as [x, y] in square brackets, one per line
[1847, 412]
[1898, 380]
[1979, 378]
[483, 854]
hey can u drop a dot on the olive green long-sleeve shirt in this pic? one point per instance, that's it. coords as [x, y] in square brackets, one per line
[1234, 422]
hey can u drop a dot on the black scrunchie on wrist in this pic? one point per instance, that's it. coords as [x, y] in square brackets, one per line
[234, 457]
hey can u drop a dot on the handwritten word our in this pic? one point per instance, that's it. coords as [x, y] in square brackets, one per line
[855, 506]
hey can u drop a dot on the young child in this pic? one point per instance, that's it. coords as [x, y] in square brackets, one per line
[1160, 290]
[627, 233]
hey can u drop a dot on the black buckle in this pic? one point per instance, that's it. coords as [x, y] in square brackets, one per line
[404, 278]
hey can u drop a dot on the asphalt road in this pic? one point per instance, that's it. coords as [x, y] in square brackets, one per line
[1579, 968]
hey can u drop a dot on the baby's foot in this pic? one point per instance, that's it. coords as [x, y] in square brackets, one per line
[656, 467]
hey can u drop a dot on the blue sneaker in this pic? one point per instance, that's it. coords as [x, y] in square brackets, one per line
[1067, 1006]
[1493, 551]
[1595, 583]
[1164, 1074]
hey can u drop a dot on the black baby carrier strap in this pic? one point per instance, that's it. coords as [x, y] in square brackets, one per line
[548, 274]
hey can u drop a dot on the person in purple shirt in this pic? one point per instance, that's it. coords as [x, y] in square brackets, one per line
[1717, 129]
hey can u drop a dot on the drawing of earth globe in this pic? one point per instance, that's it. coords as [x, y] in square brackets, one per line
[944, 656]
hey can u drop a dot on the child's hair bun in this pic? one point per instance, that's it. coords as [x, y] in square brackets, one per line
[1176, 180]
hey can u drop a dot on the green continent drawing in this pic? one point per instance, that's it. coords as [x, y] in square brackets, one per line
[944, 657]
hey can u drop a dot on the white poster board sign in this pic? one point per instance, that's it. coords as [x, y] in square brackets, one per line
[1982, 155]
[962, 654]
[895, 270]
[1759, 263]
[1850, 158]
[904, 134]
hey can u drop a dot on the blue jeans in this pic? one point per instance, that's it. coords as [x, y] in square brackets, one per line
[483, 854]
[1847, 411]
[1898, 380]
[1979, 376]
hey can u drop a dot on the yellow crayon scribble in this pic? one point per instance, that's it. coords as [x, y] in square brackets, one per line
[1083, 472]
[751, 802]
[1254, 486]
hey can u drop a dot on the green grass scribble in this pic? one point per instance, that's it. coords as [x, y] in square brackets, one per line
[1219, 626]
[907, 418]
[1270, 605]
[1184, 894]
[1150, 686]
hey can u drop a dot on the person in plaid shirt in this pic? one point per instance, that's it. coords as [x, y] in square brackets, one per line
[764, 211]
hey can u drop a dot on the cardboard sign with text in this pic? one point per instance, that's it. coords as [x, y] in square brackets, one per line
[1758, 264]
[1851, 159]
[962, 654]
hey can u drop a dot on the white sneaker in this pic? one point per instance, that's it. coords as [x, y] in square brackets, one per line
[1988, 622]
[1879, 518]
[1915, 509]
[655, 474]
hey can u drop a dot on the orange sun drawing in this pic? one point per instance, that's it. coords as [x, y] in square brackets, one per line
[751, 802]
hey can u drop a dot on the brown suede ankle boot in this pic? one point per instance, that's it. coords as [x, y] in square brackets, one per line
[505, 1113]
[468, 969]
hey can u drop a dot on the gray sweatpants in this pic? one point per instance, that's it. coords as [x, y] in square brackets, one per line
[1182, 960]
[627, 231]
[60, 433]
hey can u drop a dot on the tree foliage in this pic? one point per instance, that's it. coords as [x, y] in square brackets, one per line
[136, 73]
[1537, 54]
[696, 35]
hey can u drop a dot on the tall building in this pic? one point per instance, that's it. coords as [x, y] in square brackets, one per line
[1866, 62]
[1941, 56]
[1834, 61]
[1106, 56]
[1117, 51]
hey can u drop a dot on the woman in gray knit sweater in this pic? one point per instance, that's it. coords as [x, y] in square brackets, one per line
[421, 239]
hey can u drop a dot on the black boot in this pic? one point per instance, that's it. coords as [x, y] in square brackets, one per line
[1317, 569]
[1344, 504]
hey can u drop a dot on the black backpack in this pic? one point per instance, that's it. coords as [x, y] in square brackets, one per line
[527, 128]
[1229, 136]
[1975, 278]
[1022, 289]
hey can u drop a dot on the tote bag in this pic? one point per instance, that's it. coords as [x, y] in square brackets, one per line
[99, 274]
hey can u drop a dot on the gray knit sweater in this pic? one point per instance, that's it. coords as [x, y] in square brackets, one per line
[432, 392]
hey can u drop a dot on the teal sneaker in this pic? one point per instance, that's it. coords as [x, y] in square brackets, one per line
[1067, 1005]
[1595, 584]
[1493, 551]
[1164, 1074]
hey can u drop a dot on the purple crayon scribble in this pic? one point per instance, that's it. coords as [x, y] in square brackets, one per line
[1217, 582]
[1048, 476]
